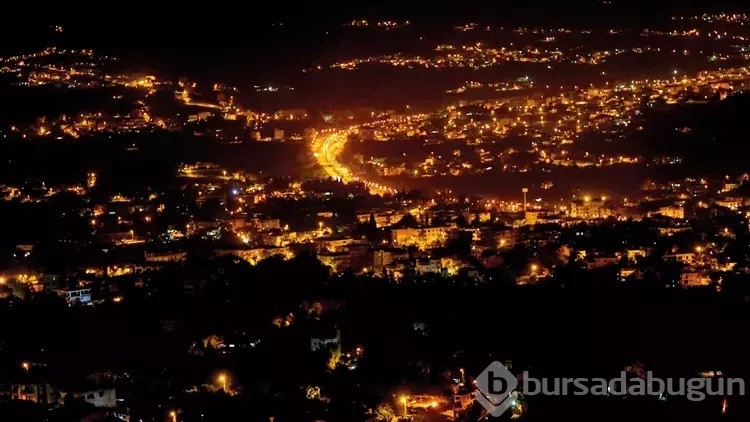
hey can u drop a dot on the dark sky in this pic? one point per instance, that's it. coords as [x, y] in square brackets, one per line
[217, 35]
[228, 23]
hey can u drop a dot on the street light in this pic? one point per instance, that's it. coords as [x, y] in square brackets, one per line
[534, 267]
[173, 415]
[403, 400]
[461, 370]
[223, 381]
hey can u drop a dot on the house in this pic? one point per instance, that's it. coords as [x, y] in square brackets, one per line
[338, 261]
[630, 274]
[265, 224]
[96, 389]
[397, 268]
[424, 238]
[498, 238]
[589, 208]
[671, 212]
[334, 243]
[462, 400]
[601, 261]
[382, 219]
[453, 264]
[385, 256]
[428, 265]
[685, 258]
[255, 255]
[694, 279]
[77, 297]
[105, 397]
[634, 254]
[272, 237]
[35, 391]
[323, 341]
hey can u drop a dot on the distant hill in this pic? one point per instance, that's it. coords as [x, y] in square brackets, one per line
[717, 140]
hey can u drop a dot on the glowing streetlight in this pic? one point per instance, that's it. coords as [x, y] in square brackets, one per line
[534, 267]
[223, 381]
[403, 401]
[25, 366]
[461, 370]
[173, 415]
[724, 405]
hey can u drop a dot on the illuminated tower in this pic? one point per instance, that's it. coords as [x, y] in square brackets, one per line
[525, 191]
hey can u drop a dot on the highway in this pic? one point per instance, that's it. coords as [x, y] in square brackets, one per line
[326, 148]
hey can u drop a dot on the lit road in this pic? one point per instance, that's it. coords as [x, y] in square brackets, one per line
[202, 104]
[326, 148]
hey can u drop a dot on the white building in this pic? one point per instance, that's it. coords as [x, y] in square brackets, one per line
[81, 296]
[317, 343]
[98, 397]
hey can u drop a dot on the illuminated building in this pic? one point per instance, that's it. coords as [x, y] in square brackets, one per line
[37, 392]
[382, 219]
[423, 238]
[672, 212]
[589, 208]
[386, 256]
[338, 261]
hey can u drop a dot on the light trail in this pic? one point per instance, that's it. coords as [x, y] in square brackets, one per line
[326, 147]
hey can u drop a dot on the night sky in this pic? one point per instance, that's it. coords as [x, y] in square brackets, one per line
[221, 24]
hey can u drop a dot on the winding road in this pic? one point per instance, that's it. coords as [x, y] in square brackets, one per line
[327, 146]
